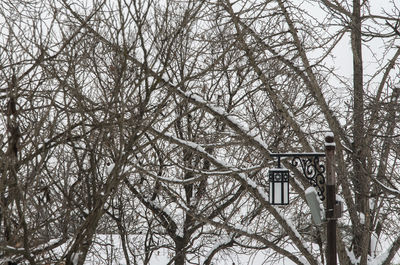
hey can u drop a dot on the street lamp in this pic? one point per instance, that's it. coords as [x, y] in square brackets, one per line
[311, 168]
[279, 186]
[324, 188]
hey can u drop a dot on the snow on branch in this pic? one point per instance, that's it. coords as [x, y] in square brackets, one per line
[386, 257]
[165, 218]
[386, 188]
[235, 124]
[245, 231]
[251, 186]
[224, 242]
[236, 173]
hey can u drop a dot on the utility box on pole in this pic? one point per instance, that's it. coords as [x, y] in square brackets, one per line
[315, 204]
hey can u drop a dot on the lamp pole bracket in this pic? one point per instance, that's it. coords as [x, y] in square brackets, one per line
[311, 168]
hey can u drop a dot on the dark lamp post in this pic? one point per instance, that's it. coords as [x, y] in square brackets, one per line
[279, 186]
[321, 177]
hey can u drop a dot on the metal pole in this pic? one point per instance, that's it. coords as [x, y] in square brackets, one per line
[330, 200]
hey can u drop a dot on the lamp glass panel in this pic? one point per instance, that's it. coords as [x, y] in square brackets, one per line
[278, 192]
[285, 192]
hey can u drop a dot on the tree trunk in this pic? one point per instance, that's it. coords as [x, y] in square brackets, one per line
[180, 251]
[359, 155]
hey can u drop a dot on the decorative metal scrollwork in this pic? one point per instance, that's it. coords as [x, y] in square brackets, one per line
[313, 171]
[311, 168]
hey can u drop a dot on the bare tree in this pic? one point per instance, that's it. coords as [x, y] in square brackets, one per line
[152, 123]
